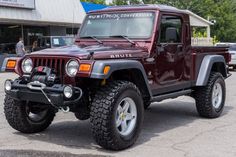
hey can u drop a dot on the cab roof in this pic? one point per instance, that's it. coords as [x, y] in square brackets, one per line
[139, 7]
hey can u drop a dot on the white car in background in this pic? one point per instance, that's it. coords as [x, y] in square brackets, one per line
[232, 51]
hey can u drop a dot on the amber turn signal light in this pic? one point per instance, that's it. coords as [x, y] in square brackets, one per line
[85, 68]
[11, 64]
[106, 70]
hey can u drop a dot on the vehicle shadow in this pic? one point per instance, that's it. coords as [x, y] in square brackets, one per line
[159, 118]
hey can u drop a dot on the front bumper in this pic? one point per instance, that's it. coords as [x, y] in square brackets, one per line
[22, 92]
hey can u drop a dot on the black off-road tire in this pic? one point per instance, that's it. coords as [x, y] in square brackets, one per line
[15, 112]
[83, 110]
[82, 116]
[103, 111]
[203, 97]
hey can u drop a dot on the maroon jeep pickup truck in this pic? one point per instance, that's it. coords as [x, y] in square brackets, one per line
[124, 58]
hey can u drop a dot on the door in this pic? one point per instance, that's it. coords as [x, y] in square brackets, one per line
[169, 54]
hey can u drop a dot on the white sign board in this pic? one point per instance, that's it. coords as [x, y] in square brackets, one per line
[28, 4]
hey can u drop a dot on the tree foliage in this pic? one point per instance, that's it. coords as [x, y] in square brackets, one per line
[126, 2]
[95, 1]
[221, 11]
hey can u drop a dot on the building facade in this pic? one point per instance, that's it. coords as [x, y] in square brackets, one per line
[31, 19]
[199, 22]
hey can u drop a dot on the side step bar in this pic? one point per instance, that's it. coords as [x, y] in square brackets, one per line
[171, 95]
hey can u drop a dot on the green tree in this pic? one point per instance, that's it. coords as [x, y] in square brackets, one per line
[224, 13]
[126, 2]
[95, 1]
[119, 2]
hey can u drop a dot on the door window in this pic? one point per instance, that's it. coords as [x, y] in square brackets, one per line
[170, 29]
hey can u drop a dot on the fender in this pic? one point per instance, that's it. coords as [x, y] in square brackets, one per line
[97, 72]
[206, 66]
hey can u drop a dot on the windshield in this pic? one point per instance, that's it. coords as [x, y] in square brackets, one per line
[131, 25]
[62, 41]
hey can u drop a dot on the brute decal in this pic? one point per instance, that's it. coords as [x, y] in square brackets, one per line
[121, 56]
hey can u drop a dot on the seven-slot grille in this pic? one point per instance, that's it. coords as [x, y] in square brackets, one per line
[58, 64]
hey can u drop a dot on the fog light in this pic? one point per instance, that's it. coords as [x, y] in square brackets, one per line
[8, 85]
[68, 92]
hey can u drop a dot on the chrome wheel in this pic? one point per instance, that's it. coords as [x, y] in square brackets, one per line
[217, 95]
[126, 116]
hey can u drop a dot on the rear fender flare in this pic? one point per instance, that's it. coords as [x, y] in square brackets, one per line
[206, 67]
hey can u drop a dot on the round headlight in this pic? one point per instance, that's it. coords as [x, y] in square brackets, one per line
[72, 67]
[68, 92]
[27, 65]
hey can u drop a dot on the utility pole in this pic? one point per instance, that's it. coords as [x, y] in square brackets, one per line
[22, 32]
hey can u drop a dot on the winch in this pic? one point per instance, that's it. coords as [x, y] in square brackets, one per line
[44, 75]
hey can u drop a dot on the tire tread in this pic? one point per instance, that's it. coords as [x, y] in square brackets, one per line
[100, 114]
[16, 117]
[202, 96]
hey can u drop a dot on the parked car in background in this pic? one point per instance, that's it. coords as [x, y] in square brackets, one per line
[55, 41]
[232, 51]
[6, 50]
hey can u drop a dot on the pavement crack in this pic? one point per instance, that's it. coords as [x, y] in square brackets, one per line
[176, 146]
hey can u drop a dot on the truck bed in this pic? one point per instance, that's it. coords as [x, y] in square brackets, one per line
[209, 49]
[212, 50]
[199, 52]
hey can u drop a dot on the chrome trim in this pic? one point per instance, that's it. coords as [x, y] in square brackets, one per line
[32, 64]
[67, 66]
[32, 85]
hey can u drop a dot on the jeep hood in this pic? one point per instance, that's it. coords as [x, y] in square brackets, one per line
[100, 52]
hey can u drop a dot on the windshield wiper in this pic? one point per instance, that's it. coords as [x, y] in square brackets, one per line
[95, 38]
[125, 37]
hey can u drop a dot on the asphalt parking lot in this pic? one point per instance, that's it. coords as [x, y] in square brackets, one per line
[171, 128]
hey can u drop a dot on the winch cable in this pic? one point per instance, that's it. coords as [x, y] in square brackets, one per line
[59, 108]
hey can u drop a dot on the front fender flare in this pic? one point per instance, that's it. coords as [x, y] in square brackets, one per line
[115, 65]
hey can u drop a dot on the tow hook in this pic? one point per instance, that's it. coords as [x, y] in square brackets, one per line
[65, 110]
